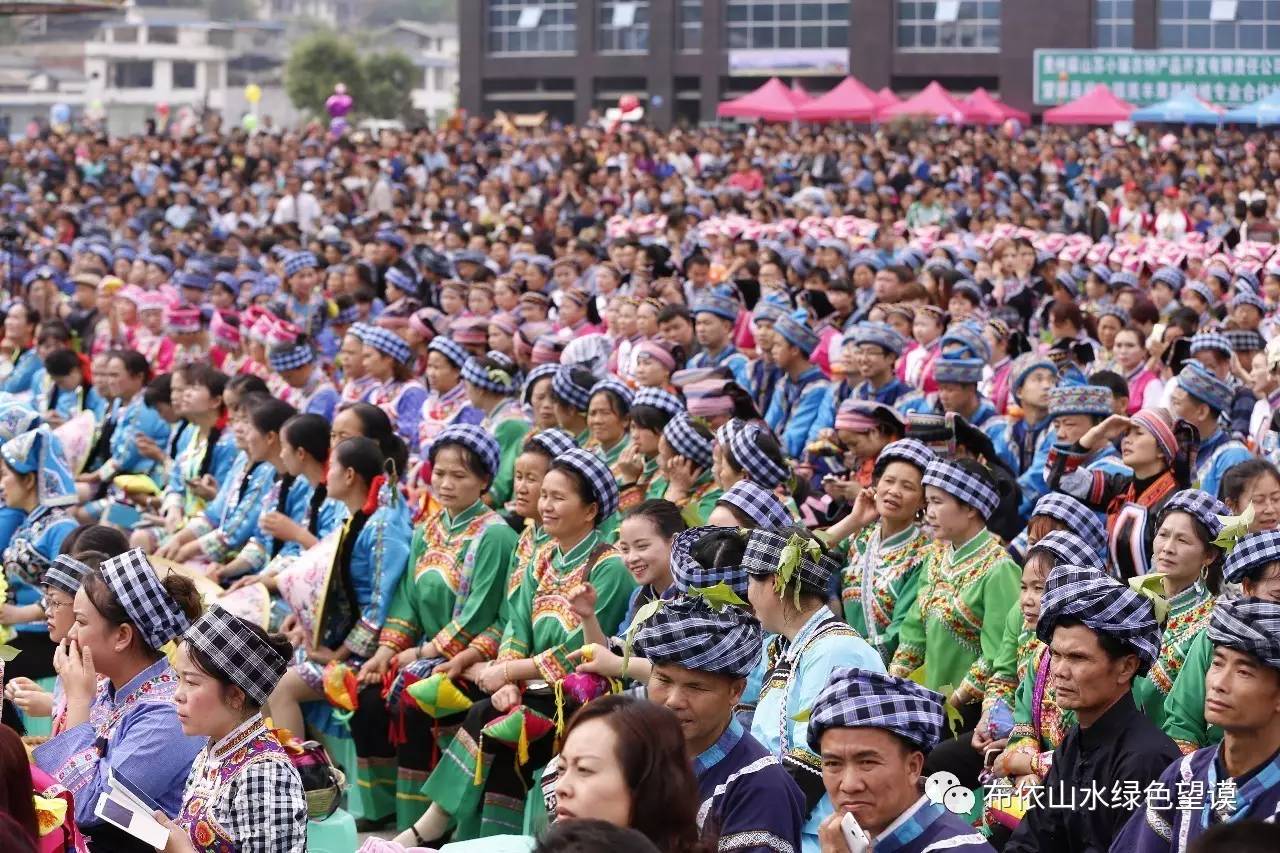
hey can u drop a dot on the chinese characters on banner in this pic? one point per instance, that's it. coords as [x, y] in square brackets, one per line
[1230, 79]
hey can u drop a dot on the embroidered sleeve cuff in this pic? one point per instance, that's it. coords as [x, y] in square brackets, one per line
[487, 646]
[200, 526]
[214, 546]
[363, 639]
[513, 649]
[452, 640]
[397, 635]
[254, 554]
[906, 660]
[553, 664]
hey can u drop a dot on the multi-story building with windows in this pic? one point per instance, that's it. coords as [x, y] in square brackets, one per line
[682, 57]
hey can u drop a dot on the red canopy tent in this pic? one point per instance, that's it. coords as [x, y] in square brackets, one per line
[772, 102]
[1097, 106]
[932, 101]
[981, 108]
[851, 100]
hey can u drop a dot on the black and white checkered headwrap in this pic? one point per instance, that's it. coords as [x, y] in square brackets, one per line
[757, 503]
[503, 379]
[290, 357]
[1078, 518]
[1248, 625]
[1201, 506]
[568, 391]
[389, 343]
[1104, 605]
[1252, 555]
[907, 450]
[1210, 341]
[598, 476]
[554, 441]
[961, 485]
[688, 633]
[754, 461]
[240, 652]
[764, 557]
[658, 398]
[473, 438]
[539, 372]
[860, 698]
[450, 349]
[136, 585]
[687, 441]
[619, 390]
[65, 573]
[686, 572]
[1067, 549]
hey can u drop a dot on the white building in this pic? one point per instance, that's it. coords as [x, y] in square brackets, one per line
[433, 49]
[333, 13]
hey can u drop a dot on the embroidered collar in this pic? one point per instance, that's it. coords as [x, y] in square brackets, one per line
[716, 753]
[455, 523]
[576, 554]
[897, 540]
[238, 736]
[1190, 597]
[133, 685]
[970, 548]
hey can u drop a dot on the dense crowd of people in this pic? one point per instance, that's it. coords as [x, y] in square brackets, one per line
[748, 490]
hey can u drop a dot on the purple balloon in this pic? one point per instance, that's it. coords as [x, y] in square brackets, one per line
[337, 127]
[338, 104]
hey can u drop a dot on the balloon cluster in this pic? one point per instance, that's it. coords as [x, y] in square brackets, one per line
[338, 105]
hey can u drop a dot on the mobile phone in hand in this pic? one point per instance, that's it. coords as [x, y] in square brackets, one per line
[854, 835]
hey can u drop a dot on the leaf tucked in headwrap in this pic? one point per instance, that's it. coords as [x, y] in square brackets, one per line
[792, 553]
[1234, 528]
[642, 615]
[1152, 586]
[500, 376]
[803, 715]
[717, 597]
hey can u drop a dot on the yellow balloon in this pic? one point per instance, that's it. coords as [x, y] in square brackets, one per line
[253, 93]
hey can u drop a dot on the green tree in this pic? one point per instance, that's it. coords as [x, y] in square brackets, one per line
[316, 64]
[389, 78]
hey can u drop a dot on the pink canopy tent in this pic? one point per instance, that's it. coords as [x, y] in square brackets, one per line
[932, 101]
[887, 96]
[1099, 105]
[982, 108]
[772, 102]
[851, 100]
[798, 94]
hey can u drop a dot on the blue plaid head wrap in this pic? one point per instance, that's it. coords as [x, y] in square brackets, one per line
[1202, 290]
[553, 441]
[1077, 517]
[1124, 279]
[756, 503]
[972, 343]
[1171, 276]
[687, 573]
[402, 281]
[1023, 366]
[1067, 549]
[473, 438]
[1210, 342]
[1201, 506]
[1101, 272]
[542, 371]
[720, 301]
[40, 452]
[243, 654]
[689, 633]
[757, 464]
[137, 587]
[450, 349]
[687, 441]
[794, 329]
[290, 357]
[65, 573]
[618, 389]
[1251, 556]
[658, 398]
[568, 391]
[861, 698]
[1201, 383]
[388, 343]
[196, 280]
[299, 261]
[1251, 299]
[908, 450]
[1248, 625]
[962, 485]
[1093, 400]
[1249, 281]
[1245, 340]
[604, 488]
[880, 334]
[1113, 310]
[1102, 604]
[503, 379]
[793, 557]
[960, 371]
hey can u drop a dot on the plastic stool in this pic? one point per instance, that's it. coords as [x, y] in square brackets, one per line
[334, 834]
[40, 726]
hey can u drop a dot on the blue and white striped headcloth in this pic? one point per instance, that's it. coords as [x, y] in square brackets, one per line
[65, 573]
[764, 557]
[618, 388]
[1220, 274]
[1251, 299]
[879, 334]
[688, 633]
[1198, 381]
[1124, 278]
[401, 280]
[568, 391]
[290, 357]
[472, 437]
[542, 371]
[1111, 309]
[720, 302]
[197, 280]
[388, 343]
[687, 573]
[137, 587]
[1171, 276]
[754, 461]
[553, 441]
[658, 398]
[1092, 400]
[1200, 289]
[1248, 625]
[961, 371]
[794, 329]
[757, 503]
[1245, 340]
[299, 261]
[1101, 272]
[1252, 555]
[1078, 518]
[972, 343]
[1067, 549]
[687, 441]
[1210, 342]
[1247, 280]
[861, 698]
[243, 655]
[961, 485]
[450, 349]
[1103, 604]
[503, 379]
[1201, 506]
[598, 476]
[908, 450]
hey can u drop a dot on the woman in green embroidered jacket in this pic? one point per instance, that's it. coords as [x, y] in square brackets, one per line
[481, 783]
[686, 459]
[651, 410]
[608, 422]
[459, 561]
[492, 384]
[968, 586]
